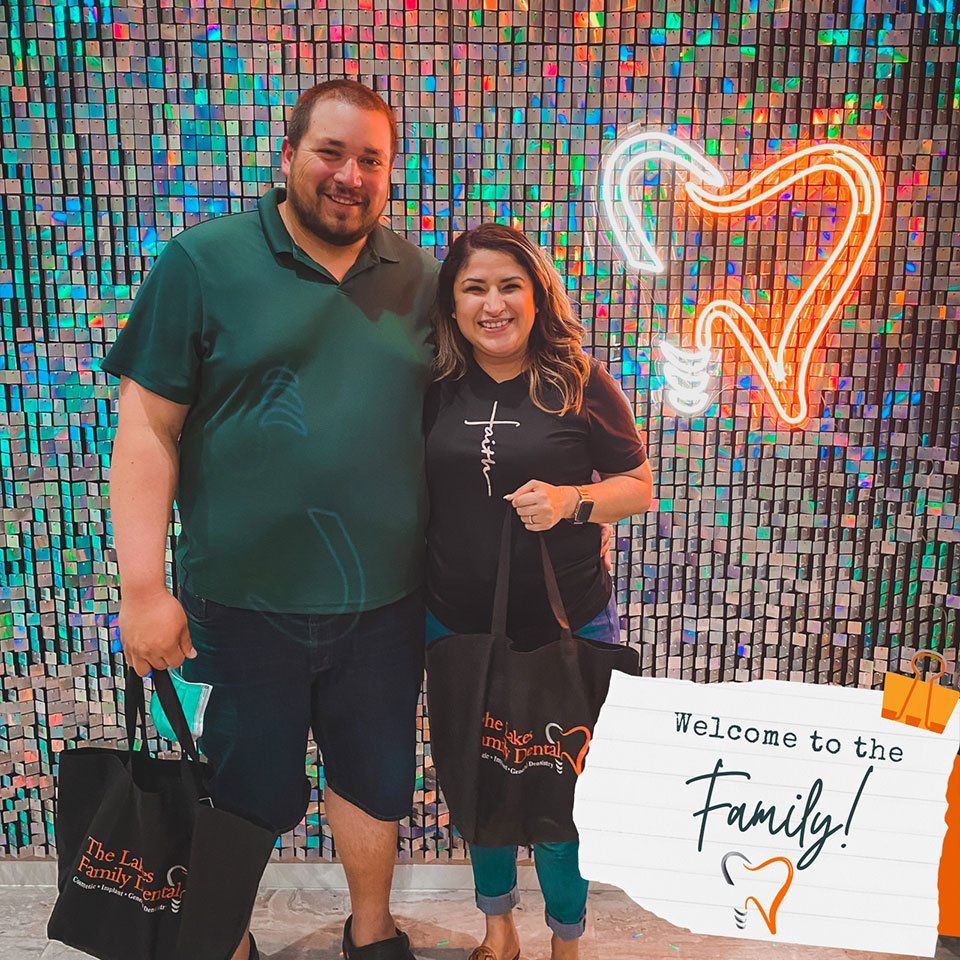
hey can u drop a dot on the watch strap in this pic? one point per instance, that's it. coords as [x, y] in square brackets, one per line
[584, 507]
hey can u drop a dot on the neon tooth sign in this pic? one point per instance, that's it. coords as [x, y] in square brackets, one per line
[783, 367]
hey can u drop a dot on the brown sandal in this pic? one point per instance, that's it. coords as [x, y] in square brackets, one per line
[485, 953]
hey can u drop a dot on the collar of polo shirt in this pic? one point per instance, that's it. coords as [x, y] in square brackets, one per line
[381, 242]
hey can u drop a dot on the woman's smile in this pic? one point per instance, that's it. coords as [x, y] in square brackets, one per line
[496, 325]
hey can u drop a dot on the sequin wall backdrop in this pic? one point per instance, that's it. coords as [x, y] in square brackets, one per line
[822, 554]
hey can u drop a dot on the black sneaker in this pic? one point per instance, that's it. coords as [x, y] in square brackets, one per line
[394, 948]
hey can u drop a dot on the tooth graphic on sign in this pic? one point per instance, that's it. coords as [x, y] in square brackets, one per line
[782, 360]
[769, 914]
[631, 155]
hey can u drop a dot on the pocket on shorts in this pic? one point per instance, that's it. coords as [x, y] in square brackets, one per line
[198, 609]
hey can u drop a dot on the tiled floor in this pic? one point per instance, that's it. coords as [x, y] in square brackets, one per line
[306, 925]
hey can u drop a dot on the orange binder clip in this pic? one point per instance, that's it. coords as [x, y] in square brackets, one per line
[919, 702]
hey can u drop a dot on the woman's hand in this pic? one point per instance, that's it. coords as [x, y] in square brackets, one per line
[541, 505]
[606, 538]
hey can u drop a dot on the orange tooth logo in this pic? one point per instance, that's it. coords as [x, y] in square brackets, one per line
[769, 913]
[783, 366]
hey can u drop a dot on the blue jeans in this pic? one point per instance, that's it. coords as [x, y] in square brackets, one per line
[495, 868]
[353, 679]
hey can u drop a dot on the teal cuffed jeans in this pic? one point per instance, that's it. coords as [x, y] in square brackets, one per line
[564, 890]
[495, 868]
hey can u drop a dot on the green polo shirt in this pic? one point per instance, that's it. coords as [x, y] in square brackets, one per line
[301, 483]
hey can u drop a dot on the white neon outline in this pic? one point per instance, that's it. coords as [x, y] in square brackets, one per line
[615, 188]
[687, 373]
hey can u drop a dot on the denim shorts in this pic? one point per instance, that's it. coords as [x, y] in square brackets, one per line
[354, 679]
[605, 626]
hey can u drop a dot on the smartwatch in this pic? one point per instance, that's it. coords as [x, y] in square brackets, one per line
[583, 509]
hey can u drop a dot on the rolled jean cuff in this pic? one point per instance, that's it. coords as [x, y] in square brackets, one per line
[497, 906]
[566, 931]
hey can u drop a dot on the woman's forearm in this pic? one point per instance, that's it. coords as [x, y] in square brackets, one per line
[616, 497]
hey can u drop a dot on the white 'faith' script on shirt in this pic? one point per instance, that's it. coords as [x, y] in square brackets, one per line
[486, 447]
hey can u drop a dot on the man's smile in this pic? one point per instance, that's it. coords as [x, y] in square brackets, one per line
[343, 201]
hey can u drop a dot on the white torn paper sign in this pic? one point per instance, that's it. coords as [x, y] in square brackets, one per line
[768, 810]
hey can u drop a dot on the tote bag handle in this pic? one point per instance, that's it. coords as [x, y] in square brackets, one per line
[191, 771]
[135, 708]
[501, 593]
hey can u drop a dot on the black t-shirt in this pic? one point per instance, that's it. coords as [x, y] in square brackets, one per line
[485, 439]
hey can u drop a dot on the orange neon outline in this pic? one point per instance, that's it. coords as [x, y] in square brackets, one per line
[688, 374]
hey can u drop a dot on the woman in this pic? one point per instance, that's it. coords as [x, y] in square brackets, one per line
[519, 418]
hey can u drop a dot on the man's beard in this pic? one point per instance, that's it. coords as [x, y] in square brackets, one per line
[307, 210]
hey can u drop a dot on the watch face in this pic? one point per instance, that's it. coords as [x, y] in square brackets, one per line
[584, 510]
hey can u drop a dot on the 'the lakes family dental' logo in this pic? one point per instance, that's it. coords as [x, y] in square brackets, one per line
[516, 751]
[125, 875]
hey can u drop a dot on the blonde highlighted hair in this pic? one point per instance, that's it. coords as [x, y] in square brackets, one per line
[555, 357]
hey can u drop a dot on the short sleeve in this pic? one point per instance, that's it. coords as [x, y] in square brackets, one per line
[615, 445]
[160, 347]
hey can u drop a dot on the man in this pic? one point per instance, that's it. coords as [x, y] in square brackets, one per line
[273, 371]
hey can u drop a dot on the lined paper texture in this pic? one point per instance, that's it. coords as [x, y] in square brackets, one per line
[768, 810]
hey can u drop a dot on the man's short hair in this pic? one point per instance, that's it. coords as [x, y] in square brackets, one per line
[346, 91]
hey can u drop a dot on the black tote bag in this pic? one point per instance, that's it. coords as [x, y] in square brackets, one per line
[510, 728]
[147, 868]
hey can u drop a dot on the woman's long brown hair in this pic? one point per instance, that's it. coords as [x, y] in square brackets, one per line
[555, 356]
